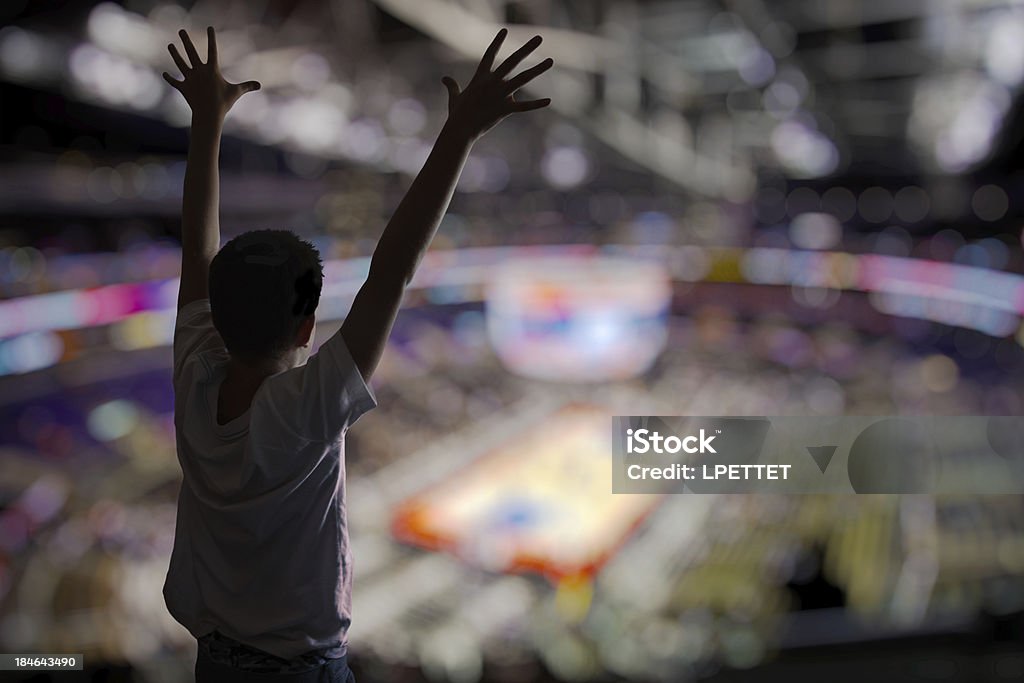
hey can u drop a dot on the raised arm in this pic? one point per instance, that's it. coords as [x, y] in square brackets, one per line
[487, 99]
[210, 98]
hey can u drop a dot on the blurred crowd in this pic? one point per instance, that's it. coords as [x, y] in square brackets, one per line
[90, 480]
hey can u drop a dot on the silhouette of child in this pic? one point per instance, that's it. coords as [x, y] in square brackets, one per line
[261, 570]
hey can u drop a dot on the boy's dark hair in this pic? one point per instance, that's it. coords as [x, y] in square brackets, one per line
[263, 283]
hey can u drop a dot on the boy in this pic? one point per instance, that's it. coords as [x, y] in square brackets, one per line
[261, 570]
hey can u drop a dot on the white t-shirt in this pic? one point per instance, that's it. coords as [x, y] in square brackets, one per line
[261, 549]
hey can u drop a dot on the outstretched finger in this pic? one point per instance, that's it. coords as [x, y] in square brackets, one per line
[176, 84]
[530, 74]
[530, 105]
[211, 46]
[176, 56]
[453, 92]
[492, 51]
[190, 48]
[248, 86]
[517, 56]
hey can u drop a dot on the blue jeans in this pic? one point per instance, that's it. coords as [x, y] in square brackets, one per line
[215, 658]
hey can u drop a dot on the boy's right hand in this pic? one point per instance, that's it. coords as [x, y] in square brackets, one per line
[489, 97]
[203, 87]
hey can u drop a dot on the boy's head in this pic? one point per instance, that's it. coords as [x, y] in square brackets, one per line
[264, 289]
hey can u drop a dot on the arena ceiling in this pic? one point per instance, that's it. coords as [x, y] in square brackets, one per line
[709, 95]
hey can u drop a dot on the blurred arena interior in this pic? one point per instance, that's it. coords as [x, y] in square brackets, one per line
[732, 207]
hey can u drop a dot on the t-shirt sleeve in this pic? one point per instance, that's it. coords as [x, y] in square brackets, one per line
[193, 333]
[324, 397]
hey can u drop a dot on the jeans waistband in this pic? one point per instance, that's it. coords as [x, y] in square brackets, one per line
[229, 652]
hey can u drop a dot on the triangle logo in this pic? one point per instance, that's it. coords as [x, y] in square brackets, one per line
[822, 455]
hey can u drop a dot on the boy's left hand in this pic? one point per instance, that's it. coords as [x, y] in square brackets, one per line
[490, 95]
[203, 87]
